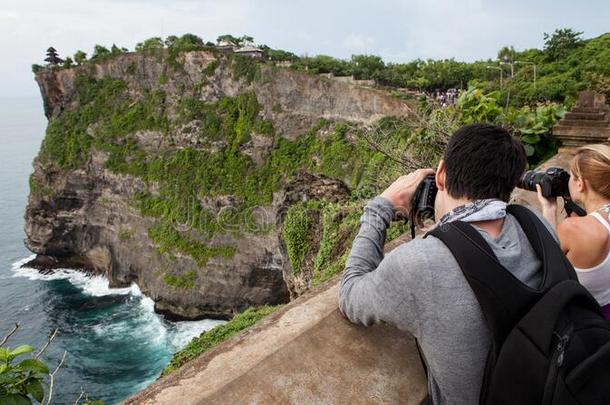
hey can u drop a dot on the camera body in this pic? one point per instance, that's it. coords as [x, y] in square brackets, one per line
[422, 205]
[553, 182]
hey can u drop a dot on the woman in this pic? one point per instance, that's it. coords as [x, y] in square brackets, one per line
[586, 240]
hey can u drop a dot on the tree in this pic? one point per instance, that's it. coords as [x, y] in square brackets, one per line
[236, 41]
[52, 57]
[190, 40]
[560, 43]
[99, 52]
[80, 57]
[170, 40]
[185, 43]
[246, 39]
[365, 66]
[507, 54]
[228, 38]
[325, 64]
[68, 62]
[152, 43]
[278, 54]
[115, 50]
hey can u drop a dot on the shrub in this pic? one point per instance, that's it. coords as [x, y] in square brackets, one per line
[296, 235]
[37, 68]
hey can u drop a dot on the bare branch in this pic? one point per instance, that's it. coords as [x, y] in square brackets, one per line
[52, 377]
[379, 148]
[49, 340]
[11, 333]
[82, 393]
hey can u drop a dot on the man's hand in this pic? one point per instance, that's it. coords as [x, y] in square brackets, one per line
[401, 192]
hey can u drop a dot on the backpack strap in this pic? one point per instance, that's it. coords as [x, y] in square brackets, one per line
[503, 298]
[557, 268]
[501, 295]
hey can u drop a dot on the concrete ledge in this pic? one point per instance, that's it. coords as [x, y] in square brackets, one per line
[306, 353]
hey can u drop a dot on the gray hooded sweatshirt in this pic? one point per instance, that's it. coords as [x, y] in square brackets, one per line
[419, 287]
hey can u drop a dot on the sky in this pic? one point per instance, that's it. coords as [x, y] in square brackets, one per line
[397, 30]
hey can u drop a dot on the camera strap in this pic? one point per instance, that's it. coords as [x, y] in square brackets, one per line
[570, 207]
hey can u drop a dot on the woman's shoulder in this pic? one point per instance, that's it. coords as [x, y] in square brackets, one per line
[582, 233]
[582, 226]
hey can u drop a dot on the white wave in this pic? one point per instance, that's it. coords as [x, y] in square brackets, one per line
[185, 331]
[147, 303]
[176, 335]
[93, 285]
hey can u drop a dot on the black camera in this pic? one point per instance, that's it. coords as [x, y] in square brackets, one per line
[553, 182]
[422, 205]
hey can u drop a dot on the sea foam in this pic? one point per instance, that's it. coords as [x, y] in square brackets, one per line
[93, 285]
[174, 335]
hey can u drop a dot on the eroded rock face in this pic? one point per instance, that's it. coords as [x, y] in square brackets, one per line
[89, 222]
[88, 218]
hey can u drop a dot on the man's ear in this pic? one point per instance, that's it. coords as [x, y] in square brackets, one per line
[439, 176]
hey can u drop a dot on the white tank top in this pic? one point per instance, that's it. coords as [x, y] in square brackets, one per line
[597, 279]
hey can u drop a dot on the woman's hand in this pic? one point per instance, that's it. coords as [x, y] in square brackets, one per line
[549, 206]
[401, 192]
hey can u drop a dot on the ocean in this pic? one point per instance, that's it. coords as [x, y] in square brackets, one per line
[114, 342]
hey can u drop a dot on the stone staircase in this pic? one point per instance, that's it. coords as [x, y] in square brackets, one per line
[588, 122]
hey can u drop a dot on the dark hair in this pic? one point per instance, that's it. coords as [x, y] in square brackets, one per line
[483, 161]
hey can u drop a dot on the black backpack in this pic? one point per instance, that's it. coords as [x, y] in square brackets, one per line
[550, 345]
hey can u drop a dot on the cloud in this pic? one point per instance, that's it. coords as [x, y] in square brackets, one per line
[359, 43]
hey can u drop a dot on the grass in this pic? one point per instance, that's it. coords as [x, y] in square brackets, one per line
[168, 239]
[125, 234]
[217, 335]
[182, 282]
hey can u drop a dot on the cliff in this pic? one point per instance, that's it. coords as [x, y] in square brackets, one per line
[201, 177]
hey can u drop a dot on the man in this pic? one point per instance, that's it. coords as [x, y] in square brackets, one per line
[419, 287]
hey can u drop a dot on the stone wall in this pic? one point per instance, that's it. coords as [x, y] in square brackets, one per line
[308, 353]
[588, 122]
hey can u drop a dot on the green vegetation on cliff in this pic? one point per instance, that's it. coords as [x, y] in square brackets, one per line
[169, 239]
[219, 334]
[105, 113]
[107, 119]
[296, 232]
[183, 282]
[318, 234]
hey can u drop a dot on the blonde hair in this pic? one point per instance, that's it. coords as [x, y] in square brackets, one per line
[592, 163]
